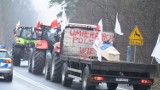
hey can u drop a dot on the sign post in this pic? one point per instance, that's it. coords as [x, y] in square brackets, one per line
[136, 39]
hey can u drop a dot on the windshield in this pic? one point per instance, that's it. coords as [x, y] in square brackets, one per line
[4, 54]
[27, 33]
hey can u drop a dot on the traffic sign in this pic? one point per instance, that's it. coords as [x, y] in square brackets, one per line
[136, 34]
[136, 37]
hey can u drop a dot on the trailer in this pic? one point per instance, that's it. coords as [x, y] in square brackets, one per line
[75, 58]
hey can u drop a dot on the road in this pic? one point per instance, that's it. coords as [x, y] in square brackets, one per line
[26, 81]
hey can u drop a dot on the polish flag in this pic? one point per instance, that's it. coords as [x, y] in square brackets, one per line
[38, 24]
[54, 24]
[99, 26]
[98, 41]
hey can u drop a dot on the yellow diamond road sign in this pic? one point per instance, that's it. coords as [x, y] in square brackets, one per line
[136, 37]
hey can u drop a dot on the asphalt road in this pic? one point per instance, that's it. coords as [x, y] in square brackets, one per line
[23, 80]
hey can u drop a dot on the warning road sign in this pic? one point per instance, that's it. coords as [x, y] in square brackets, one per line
[136, 37]
[136, 34]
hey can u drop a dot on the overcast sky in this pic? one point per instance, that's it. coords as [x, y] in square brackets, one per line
[45, 14]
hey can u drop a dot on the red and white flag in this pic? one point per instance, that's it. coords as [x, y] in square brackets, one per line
[38, 24]
[98, 41]
[54, 24]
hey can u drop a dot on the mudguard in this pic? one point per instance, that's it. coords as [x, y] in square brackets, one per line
[57, 47]
[41, 44]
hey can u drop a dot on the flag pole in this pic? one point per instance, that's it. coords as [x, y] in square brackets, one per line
[152, 60]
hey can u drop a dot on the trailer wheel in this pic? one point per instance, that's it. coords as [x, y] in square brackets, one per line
[138, 87]
[38, 61]
[112, 86]
[56, 68]
[16, 56]
[66, 81]
[85, 80]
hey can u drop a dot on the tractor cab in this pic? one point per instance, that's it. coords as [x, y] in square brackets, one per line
[26, 33]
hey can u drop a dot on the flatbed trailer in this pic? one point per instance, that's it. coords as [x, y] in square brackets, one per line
[141, 76]
[77, 60]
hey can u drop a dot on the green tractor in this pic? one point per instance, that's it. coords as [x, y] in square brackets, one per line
[24, 40]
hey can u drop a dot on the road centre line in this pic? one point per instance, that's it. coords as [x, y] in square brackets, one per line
[32, 81]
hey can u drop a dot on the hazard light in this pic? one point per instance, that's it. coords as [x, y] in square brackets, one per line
[98, 78]
[145, 81]
[8, 61]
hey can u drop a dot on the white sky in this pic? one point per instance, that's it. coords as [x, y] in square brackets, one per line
[45, 14]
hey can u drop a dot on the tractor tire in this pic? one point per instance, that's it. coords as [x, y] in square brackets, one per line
[47, 67]
[16, 55]
[56, 68]
[30, 64]
[66, 81]
[38, 61]
[30, 60]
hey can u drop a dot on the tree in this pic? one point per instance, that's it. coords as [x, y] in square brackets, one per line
[11, 12]
[143, 13]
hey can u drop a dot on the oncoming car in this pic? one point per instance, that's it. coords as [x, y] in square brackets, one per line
[6, 66]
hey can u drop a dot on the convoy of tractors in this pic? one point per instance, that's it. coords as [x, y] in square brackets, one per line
[64, 55]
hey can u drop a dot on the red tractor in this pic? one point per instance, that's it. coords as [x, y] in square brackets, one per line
[46, 37]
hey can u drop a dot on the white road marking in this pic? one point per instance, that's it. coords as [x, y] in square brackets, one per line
[41, 85]
[32, 81]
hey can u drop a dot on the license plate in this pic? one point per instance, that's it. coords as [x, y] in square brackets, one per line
[122, 79]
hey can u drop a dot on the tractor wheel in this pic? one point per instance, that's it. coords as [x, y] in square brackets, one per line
[30, 60]
[30, 64]
[56, 68]
[16, 55]
[38, 61]
[47, 67]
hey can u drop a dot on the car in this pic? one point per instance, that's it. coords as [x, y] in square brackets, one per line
[2, 46]
[6, 65]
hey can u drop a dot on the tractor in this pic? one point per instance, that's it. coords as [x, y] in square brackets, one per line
[24, 40]
[43, 45]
